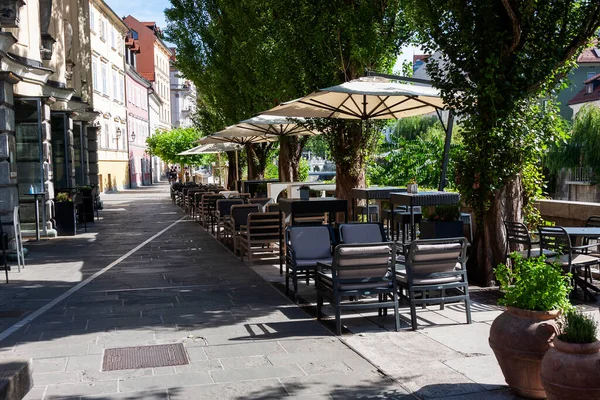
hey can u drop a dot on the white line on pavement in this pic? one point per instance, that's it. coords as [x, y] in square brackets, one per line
[75, 288]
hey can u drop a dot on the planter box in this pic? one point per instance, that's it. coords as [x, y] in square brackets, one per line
[440, 229]
[65, 218]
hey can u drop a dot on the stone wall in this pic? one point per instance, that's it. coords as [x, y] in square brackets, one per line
[9, 197]
[567, 213]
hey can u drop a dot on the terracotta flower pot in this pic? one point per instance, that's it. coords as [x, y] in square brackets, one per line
[570, 370]
[520, 338]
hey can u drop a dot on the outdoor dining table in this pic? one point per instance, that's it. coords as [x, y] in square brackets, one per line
[575, 232]
[293, 207]
[371, 193]
[433, 198]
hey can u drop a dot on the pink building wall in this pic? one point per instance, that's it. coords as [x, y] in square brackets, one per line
[138, 128]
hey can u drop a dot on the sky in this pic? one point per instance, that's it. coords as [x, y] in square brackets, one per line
[153, 10]
[142, 10]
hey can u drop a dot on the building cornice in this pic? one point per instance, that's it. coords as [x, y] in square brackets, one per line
[115, 19]
[133, 74]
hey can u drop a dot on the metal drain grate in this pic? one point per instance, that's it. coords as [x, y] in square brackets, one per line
[144, 357]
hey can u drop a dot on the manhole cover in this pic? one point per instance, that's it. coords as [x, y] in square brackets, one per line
[144, 357]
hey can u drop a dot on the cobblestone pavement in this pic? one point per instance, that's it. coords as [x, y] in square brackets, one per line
[145, 274]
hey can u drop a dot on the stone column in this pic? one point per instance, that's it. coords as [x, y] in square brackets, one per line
[84, 154]
[9, 196]
[92, 140]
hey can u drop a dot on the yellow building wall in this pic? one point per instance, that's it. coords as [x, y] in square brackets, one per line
[113, 175]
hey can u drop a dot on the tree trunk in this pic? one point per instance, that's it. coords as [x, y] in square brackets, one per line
[490, 238]
[231, 173]
[290, 152]
[258, 156]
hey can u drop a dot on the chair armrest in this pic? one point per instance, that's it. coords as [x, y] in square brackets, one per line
[584, 247]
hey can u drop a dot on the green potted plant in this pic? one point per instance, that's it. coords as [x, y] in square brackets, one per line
[304, 192]
[535, 293]
[443, 222]
[64, 215]
[570, 367]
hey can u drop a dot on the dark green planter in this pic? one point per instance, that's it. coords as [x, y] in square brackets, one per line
[64, 217]
[440, 229]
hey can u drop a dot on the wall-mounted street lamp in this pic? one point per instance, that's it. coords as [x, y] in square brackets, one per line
[118, 133]
[132, 137]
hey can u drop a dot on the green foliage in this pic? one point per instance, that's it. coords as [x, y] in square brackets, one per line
[317, 146]
[418, 159]
[578, 328]
[167, 144]
[272, 171]
[62, 197]
[303, 170]
[444, 213]
[246, 56]
[494, 62]
[583, 147]
[532, 284]
[412, 127]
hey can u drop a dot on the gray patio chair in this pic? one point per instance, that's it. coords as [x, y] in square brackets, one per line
[570, 258]
[369, 232]
[222, 212]
[238, 217]
[260, 230]
[432, 266]
[359, 270]
[305, 247]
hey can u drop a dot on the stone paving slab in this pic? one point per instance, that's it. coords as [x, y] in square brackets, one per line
[243, 338]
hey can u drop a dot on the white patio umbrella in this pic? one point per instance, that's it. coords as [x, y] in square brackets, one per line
[212, 149]
[369, 98]
[364, 98]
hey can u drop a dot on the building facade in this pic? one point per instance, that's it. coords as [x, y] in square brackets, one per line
[108, 77]
[138, 108]
[46, 106]
[183, 98]
[153, 64]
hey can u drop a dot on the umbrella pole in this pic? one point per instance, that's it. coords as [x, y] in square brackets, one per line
[219, 168]
[446, 156]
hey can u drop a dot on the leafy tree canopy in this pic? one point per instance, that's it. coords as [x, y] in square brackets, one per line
[246, 56]
[167, 144]
[497, 59]
[583, 147]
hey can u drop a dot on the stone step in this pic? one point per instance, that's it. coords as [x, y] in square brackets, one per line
[16, 379]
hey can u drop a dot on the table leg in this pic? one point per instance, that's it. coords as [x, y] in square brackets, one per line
[412, 224]
[37, 219]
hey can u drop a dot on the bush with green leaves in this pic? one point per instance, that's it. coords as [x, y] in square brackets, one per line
[533, 284]
[577, 327]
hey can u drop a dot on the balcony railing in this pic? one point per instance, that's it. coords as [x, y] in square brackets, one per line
[583, 175]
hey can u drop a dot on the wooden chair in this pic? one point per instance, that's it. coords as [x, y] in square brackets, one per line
[238, 217]
[261, 229]
[223, 211]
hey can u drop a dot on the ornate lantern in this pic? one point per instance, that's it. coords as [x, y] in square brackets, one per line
[9, 13]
